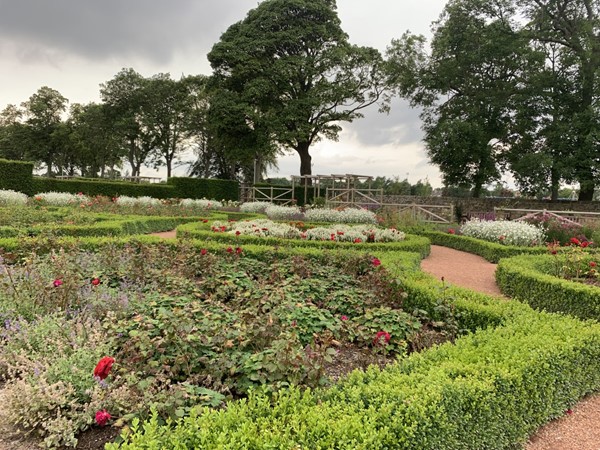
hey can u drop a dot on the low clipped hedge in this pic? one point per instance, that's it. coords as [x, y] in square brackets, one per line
[491, 251]
[529, 279]
[205, 188]
[202, 231]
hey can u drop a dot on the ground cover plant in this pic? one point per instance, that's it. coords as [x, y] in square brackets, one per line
[186, 326]
[504, 232]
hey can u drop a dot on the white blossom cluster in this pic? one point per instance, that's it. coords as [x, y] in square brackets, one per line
[340, 233]
[124, 200]
[348, 215]
[354, 233]
[261, 228]
[504, 232]
[200, 203]
[255, 207]
[275, 212]
[61, 198]
[8, 197]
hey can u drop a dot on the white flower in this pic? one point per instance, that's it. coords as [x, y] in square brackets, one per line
[200, 203]
[12, 198]
[61, 198]
[124, 200]
[348, 215]
[504, 232]
[255, 207]
[275, 212]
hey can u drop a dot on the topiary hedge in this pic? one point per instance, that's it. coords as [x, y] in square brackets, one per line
[530, 279]
[205, 188]
[16, 176]
[109, 189]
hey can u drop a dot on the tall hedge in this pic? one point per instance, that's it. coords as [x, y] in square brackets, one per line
[16, 175]
[110, 189]
[205, 188]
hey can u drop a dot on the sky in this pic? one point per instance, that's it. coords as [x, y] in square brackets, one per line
[75, 45]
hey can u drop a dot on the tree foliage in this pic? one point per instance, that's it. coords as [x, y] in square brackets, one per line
[293, 76]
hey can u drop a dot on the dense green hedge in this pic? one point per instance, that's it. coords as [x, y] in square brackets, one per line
[205, 188]
[529, 279]
[16, 175]
[491, 251]
[109, 189]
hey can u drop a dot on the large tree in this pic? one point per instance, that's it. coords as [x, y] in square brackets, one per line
[464, 87]
[574, 26]
[43, 117]
[295, 73]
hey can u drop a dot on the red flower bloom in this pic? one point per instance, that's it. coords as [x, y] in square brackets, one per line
[203, 252]
[357, 240]
[575, 241]
[229, 250]
[238, 250]
[593, 264]
[58, 282]
[238, 232]
[102, 417]
[376, 262]
[569, 411]
[344, 318]
[381, 334]
[205, 221]
[451, 231]
[96, 281]
[103, 367]
[584, 244]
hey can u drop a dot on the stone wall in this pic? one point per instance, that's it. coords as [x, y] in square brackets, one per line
[468, 207]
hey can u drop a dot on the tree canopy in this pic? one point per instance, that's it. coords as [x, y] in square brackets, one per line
[294, 74]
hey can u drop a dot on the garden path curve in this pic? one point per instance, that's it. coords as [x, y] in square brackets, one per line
[579, 429]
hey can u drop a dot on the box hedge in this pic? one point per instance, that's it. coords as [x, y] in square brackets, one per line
[205, 188]
[530, 279]
[16, 176]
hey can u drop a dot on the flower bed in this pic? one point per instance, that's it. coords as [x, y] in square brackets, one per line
[504, 232]
[185, 327]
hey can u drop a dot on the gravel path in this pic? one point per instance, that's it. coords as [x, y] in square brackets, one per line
[578, 429]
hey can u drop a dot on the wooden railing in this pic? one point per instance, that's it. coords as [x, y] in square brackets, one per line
[273, 194]
[348, 197]
[425, 213]
[575, 217]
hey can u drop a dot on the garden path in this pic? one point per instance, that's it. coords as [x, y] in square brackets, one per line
[579, 429]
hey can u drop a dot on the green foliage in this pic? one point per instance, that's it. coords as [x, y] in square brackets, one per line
[204, 188]
[16, 175]
[109, 189]
[533, 280]
[455, 396]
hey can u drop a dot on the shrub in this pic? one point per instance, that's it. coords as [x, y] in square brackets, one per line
[16, 175]
[200, 203]
[12, 198]
[504, 232]
[275, 212]
[348, 215]
[255, 207]
[137, 201]
[60, 198]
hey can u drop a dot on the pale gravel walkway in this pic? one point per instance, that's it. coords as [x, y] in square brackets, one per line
[579, 430]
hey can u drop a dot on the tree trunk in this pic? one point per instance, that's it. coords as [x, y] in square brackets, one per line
[554, 184]
[305, 161]
[586, 187]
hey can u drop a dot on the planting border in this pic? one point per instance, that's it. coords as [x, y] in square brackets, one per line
[528, 279]
[202, 231]
[490, 389]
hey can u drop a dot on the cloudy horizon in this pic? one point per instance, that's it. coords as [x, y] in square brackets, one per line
[74, 46]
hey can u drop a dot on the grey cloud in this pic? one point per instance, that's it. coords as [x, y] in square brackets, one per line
[95, 30]
[401, 126]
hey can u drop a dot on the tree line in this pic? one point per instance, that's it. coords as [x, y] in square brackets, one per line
[504, 86]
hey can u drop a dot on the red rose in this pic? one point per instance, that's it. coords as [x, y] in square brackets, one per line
[381, 334]
[357, 240]
[103, 367]
[102, 417]
[229, 250]
[593, 264]
[205, 221]
[58, 282]
[344, 318]
[238, 250]
[376, 262]
[451, 231]
[238, 232]
[203, 252]
[584, 244]
[575, 241]
[96, 281]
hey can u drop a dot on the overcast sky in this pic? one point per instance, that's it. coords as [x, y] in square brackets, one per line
[74, 45]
